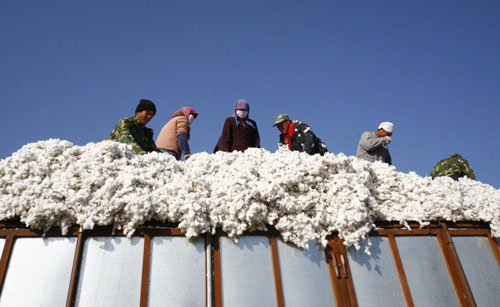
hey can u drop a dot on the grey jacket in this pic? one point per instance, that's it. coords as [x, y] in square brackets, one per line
[372, 148]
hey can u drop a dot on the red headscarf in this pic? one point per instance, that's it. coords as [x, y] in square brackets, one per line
[185, 111]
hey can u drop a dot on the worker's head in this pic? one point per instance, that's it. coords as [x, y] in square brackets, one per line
[385, 129]
[145, 111]
[186, 112]
[242, 108]
[282, 122]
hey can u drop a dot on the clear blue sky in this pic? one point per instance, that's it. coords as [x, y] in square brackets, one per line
[72, 69]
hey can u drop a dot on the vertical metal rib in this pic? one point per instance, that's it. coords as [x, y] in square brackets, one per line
[75, 271]
[277, 271]
[146, 260]
[401, 273]
[4, 261]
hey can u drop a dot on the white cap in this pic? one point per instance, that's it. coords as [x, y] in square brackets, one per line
[387, 126]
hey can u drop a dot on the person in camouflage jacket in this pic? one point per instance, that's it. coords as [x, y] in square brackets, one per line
[133, 131]
[454, 167]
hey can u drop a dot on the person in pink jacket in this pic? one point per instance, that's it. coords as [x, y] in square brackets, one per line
[174, 136]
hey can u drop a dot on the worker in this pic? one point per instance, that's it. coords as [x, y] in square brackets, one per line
[174, 136]
[298, 136]
[373, 145]
[133, 131]
[239, 131]
[454, 167]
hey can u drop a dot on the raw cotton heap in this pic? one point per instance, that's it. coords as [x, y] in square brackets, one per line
[55, 183]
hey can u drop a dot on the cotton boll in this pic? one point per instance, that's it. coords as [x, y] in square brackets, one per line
[55, 183]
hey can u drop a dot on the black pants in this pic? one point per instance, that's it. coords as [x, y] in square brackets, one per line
[456, 176]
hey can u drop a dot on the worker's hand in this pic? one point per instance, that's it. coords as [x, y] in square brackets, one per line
[389, 139]
[186, 156]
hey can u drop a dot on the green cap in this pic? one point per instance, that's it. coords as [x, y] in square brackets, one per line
[280, 118]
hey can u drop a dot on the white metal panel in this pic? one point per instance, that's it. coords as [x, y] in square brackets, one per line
[39, 272]
[177, 272]
[111, 272]
[305, 276]
[480, 268]
[374, 276]
[247, 272]
[2, 244]
[426, 272]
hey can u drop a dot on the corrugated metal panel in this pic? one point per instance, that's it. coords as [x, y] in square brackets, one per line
[411, 267]
[426, 272]
[111, 272]
[305, 277]
[480, 267]
[177, 273]
[374, 276]
[247, 272]
[38, 272]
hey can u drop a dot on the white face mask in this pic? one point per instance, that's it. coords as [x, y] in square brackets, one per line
[242, 113]
[190, 119]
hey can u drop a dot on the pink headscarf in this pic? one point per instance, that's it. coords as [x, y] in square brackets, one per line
[185, 111]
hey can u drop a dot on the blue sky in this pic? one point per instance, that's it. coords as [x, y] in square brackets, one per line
[71, 70]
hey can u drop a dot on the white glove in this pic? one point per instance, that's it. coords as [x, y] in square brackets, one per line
[388, 139]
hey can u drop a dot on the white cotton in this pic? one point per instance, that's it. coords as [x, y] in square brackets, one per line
[55, 183]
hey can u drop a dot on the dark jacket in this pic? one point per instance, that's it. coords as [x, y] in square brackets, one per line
[304, 140]
[238, 138]
[130, 131]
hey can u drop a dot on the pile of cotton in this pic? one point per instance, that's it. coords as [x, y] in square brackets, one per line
[55, 183]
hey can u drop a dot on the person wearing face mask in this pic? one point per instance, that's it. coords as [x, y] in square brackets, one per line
[133, 130]
[174, 136]
[239, 131]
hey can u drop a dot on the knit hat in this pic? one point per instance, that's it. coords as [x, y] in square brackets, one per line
[145, 104]
[280, 118]
[242, 104]
[387, 126]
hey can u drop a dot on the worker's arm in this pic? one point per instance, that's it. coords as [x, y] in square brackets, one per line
[371, 142]
[123, 134]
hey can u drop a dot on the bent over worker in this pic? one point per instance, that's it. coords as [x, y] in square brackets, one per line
[298, 136]
[454, 167]
[174, 136]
